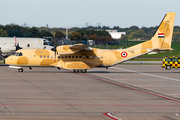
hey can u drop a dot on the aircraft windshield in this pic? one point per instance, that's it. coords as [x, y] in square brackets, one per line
[20, 54]
[17, 54]
[14, 53]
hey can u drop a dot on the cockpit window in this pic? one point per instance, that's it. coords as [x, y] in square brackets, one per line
[20, 54]
[17, 54]
[14, 53]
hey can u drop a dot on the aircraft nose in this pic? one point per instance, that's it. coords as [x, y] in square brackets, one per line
[6, 61]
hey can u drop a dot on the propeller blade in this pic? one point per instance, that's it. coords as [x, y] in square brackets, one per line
[15, 41]
[18, 47]
[17, 44]
[54, 49]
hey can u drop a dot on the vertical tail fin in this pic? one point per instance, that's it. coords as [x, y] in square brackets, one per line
[163, 36]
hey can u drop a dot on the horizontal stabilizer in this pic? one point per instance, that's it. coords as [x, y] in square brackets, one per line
[151, 53]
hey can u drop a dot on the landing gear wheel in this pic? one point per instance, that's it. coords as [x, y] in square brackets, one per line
[168, 67]
[76, 70]
[20, 70]
[83, 71]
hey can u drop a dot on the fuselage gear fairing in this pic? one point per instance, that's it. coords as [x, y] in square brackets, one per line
[80, 57]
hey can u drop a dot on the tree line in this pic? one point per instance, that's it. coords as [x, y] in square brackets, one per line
[97, 33]
[85, 34]
[19, 31]
[145, 33]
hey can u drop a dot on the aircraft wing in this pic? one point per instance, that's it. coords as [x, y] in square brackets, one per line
[80, 47]
[71, 49]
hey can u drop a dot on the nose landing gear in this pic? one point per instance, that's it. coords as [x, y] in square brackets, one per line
[20, 70]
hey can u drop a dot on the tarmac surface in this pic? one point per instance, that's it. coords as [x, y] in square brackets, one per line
[124, 92]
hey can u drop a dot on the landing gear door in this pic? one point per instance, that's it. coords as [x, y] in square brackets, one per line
[107, 58]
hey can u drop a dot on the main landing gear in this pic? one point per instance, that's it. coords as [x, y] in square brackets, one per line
[20, 70]
[82, 71]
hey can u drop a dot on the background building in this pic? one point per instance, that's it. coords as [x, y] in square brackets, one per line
[116, 35]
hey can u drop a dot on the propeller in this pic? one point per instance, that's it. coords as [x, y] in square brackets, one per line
[54, 49]
[17, 44]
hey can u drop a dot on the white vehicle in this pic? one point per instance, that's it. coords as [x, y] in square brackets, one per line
[9, 45]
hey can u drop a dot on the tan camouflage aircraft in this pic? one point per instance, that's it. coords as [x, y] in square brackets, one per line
[80, 57]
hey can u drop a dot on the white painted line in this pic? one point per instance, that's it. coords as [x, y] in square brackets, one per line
[146, 85]
[110, 114]
[146, 74]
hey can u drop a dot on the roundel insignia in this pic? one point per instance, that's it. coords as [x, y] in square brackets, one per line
[124, 54]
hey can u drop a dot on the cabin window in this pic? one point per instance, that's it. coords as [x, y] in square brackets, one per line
[168, 59]
[76, 56]
[79, 56]
[40, 56]
[34, 55]
[101, 57]
[44, 56]
[61, 56]
[47, 56]
[51, 56]
[94, 57]
[72, 56]
[97, 57]
[69, 56]
[86, 56]
[174, 59]
[90, 56]
[83, 56]
[65, 56]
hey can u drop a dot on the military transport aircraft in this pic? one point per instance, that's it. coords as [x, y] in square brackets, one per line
[80, 57]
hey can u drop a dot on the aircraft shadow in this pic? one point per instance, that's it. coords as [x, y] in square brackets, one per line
[103, 72]
[3, 65]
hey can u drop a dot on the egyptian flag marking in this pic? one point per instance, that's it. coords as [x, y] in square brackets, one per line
[160, 35]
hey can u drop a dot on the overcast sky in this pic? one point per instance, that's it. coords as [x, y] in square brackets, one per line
[75, 13]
